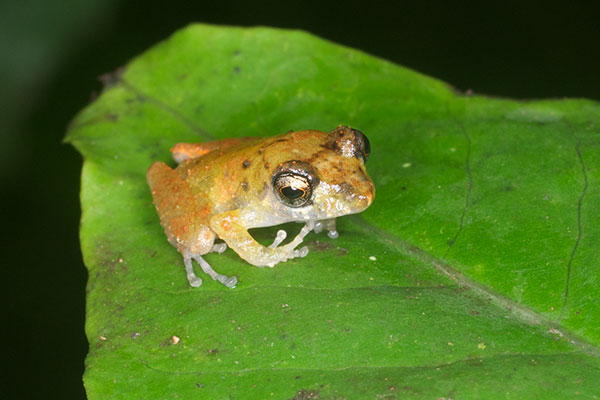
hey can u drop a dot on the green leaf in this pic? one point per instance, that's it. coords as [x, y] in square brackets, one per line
[473, 274]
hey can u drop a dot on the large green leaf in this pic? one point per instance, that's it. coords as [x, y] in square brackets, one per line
[473, 274]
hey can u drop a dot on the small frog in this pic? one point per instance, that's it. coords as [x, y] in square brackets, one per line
[221, 189]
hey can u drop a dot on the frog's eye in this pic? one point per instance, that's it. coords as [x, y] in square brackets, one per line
[350, 142]
[292, 190]
[293, 183]
[362, 144]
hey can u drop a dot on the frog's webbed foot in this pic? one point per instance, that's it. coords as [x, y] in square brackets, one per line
[329, 225]
[219, 248]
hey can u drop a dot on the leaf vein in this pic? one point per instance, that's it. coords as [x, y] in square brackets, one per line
[469, 187]
[579, 229]
[371, 367]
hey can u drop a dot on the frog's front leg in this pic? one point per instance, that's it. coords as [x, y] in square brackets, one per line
[230, 227]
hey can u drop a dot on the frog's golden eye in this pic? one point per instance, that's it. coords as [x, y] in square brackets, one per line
[292, 190]
[293, 183]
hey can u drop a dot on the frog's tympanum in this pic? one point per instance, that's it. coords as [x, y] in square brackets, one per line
[223, 188]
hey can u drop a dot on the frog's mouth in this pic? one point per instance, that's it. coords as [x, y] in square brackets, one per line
[332, 200]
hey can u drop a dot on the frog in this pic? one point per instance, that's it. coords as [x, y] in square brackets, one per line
[220, 189]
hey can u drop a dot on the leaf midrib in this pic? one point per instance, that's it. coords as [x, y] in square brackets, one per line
[373, 367]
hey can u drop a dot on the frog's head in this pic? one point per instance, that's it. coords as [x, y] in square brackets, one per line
[329, 180]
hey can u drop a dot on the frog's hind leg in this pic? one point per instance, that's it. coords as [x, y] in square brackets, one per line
[184, 219]
[195, 281]
[189, 270]
[228, 281]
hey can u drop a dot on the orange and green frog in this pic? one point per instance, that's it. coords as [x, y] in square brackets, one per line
[221, 189]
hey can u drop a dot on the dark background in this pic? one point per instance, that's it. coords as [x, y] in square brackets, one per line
[53, 52]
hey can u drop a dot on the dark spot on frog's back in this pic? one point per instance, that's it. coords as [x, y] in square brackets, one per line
[245, 185]
[279, 140]
[331, 145]
[246, 164]
[267, 165]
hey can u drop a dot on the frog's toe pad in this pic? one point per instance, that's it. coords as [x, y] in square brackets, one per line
[230, 282]
[281, 235]
[302, 252]
[219, 247]
[194, 281]
[333, 234]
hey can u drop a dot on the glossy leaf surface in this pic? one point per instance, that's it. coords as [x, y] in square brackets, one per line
[473, 274]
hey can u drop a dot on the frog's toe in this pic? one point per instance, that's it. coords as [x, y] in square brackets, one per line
[281, 235]
[333, 234]
[302, 252]
[219, 247]
[230, 282]
[194, 281]
[192, 278]
[319, 226]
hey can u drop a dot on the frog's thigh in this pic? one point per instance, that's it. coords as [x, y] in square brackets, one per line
[183, 218]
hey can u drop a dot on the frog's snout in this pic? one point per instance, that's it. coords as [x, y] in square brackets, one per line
[366, 195]
[359, 195]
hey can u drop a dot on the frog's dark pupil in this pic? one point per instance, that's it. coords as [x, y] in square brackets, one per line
[292, 193]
